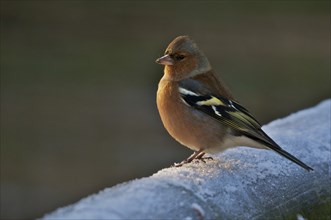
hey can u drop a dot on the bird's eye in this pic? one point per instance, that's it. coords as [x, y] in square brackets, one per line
[179, 57]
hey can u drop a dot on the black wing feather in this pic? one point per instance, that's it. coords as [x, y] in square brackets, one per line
[237, 117]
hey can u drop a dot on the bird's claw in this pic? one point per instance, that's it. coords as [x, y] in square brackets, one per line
[180, 164]
[203, 159]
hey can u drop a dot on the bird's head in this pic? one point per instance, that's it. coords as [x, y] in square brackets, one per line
[183, 59]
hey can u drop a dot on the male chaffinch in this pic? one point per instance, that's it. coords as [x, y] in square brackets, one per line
[199, 111]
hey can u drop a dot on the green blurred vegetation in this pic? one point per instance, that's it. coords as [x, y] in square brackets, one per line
[78, 84]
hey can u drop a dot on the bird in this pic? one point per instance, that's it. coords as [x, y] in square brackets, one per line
[198, 109]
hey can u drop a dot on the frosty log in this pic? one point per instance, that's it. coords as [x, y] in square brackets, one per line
[240, 183]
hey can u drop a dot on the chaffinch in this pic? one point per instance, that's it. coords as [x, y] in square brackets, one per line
[199, 111]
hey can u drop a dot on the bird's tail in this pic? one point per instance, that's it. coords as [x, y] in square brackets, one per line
[267, 141]
[289, 156]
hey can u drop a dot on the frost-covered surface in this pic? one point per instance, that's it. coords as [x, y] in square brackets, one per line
[241, 183]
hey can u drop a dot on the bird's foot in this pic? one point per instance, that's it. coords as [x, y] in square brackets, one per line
[180, 164]
[198, 155]
[203, 159]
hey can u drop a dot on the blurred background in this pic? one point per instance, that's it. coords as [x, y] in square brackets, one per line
[78, 85]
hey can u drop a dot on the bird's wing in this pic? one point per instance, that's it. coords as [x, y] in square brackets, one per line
[226, 111]
[230, 113]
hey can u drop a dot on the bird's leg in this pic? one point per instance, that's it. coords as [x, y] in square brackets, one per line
[200, 157]
[190, 158]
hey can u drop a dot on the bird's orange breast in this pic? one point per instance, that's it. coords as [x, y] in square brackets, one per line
[184, 123]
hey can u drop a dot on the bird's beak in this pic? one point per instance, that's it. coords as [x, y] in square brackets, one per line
[165, 60]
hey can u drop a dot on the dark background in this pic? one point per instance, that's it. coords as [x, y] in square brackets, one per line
[78, 84]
